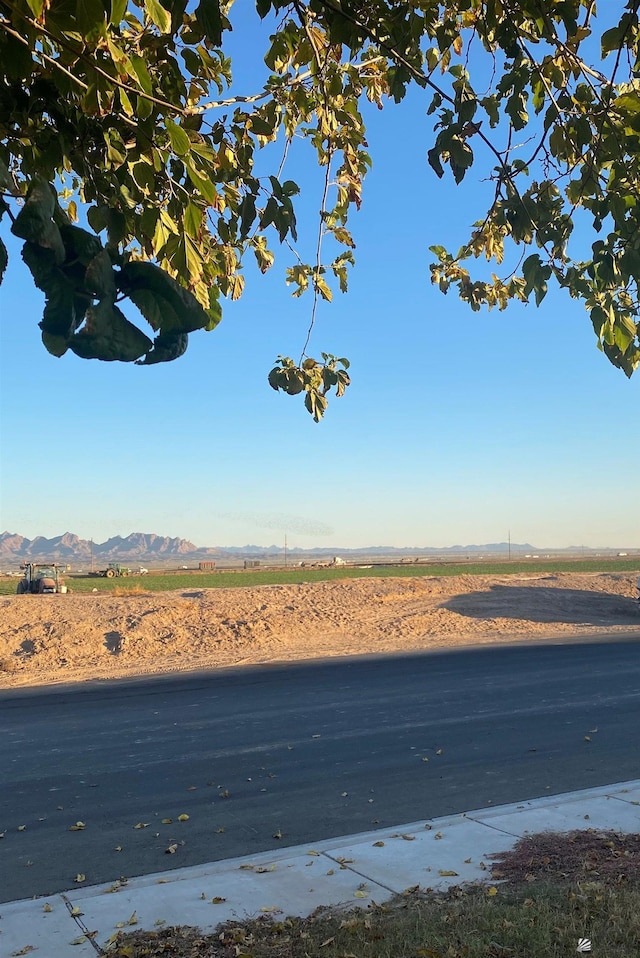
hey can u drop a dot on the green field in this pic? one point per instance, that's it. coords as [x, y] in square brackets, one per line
[161, 582]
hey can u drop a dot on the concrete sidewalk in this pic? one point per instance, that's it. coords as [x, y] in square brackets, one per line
[294, 881]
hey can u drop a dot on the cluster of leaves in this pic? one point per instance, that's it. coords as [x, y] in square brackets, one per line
[579, 153]
[313, 378]
[81, 285]
[121, 105]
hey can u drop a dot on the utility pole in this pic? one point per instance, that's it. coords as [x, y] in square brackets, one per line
[92, 555]
[285, 550]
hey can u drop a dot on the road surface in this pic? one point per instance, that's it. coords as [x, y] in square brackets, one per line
[95, 778]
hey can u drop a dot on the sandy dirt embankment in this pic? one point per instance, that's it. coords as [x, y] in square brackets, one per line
[69, 638]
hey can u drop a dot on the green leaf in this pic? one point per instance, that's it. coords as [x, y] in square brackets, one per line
[80, 244]
[158, 15]
[118, 10]
[207, 15]
[628, 102]
[536, 276]
[34, 222]
[247, 214]
[6, 180]
[322, 287]
[164, 303]
[206, 187]
[4, 259]
[611, 39]
[108, 335]
[100, 278]
[91, 19]
[180, 142]
[60, 316]
[36, 7]
[166, 348]
[433, 156]
[192, 220]
[56, 345]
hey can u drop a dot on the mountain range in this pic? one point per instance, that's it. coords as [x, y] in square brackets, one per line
[70, 547]
[138, 546]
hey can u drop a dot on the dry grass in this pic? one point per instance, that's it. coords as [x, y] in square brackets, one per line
[555, 890]
[124, 590]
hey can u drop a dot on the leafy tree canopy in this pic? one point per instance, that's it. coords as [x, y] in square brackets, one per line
[121, 115]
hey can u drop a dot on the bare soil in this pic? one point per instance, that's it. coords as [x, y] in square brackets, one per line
[71, 638]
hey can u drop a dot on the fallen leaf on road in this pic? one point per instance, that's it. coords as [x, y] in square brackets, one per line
[79, 941]
[378, 844]
[47, 907]
[171, 850]
[446, 873]
[183, 818]
[21, 828]
[23, 951]
[142, 825]
[408, 838]
[277, 834]
[167, 821]
[218, 900]
[77, 827]
[80, 877]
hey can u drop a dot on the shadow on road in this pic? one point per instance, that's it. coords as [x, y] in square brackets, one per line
[547, 604]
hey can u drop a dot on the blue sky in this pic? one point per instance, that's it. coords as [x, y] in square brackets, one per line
[458, 427]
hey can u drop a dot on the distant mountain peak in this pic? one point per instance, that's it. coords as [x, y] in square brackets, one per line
[69, 547]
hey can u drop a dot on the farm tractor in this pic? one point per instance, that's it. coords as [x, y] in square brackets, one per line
[40, 579]
[113, 570]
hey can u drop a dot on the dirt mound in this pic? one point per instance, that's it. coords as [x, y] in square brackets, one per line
[61, 638]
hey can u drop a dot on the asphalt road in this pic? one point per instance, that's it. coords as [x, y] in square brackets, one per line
[274, 756]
